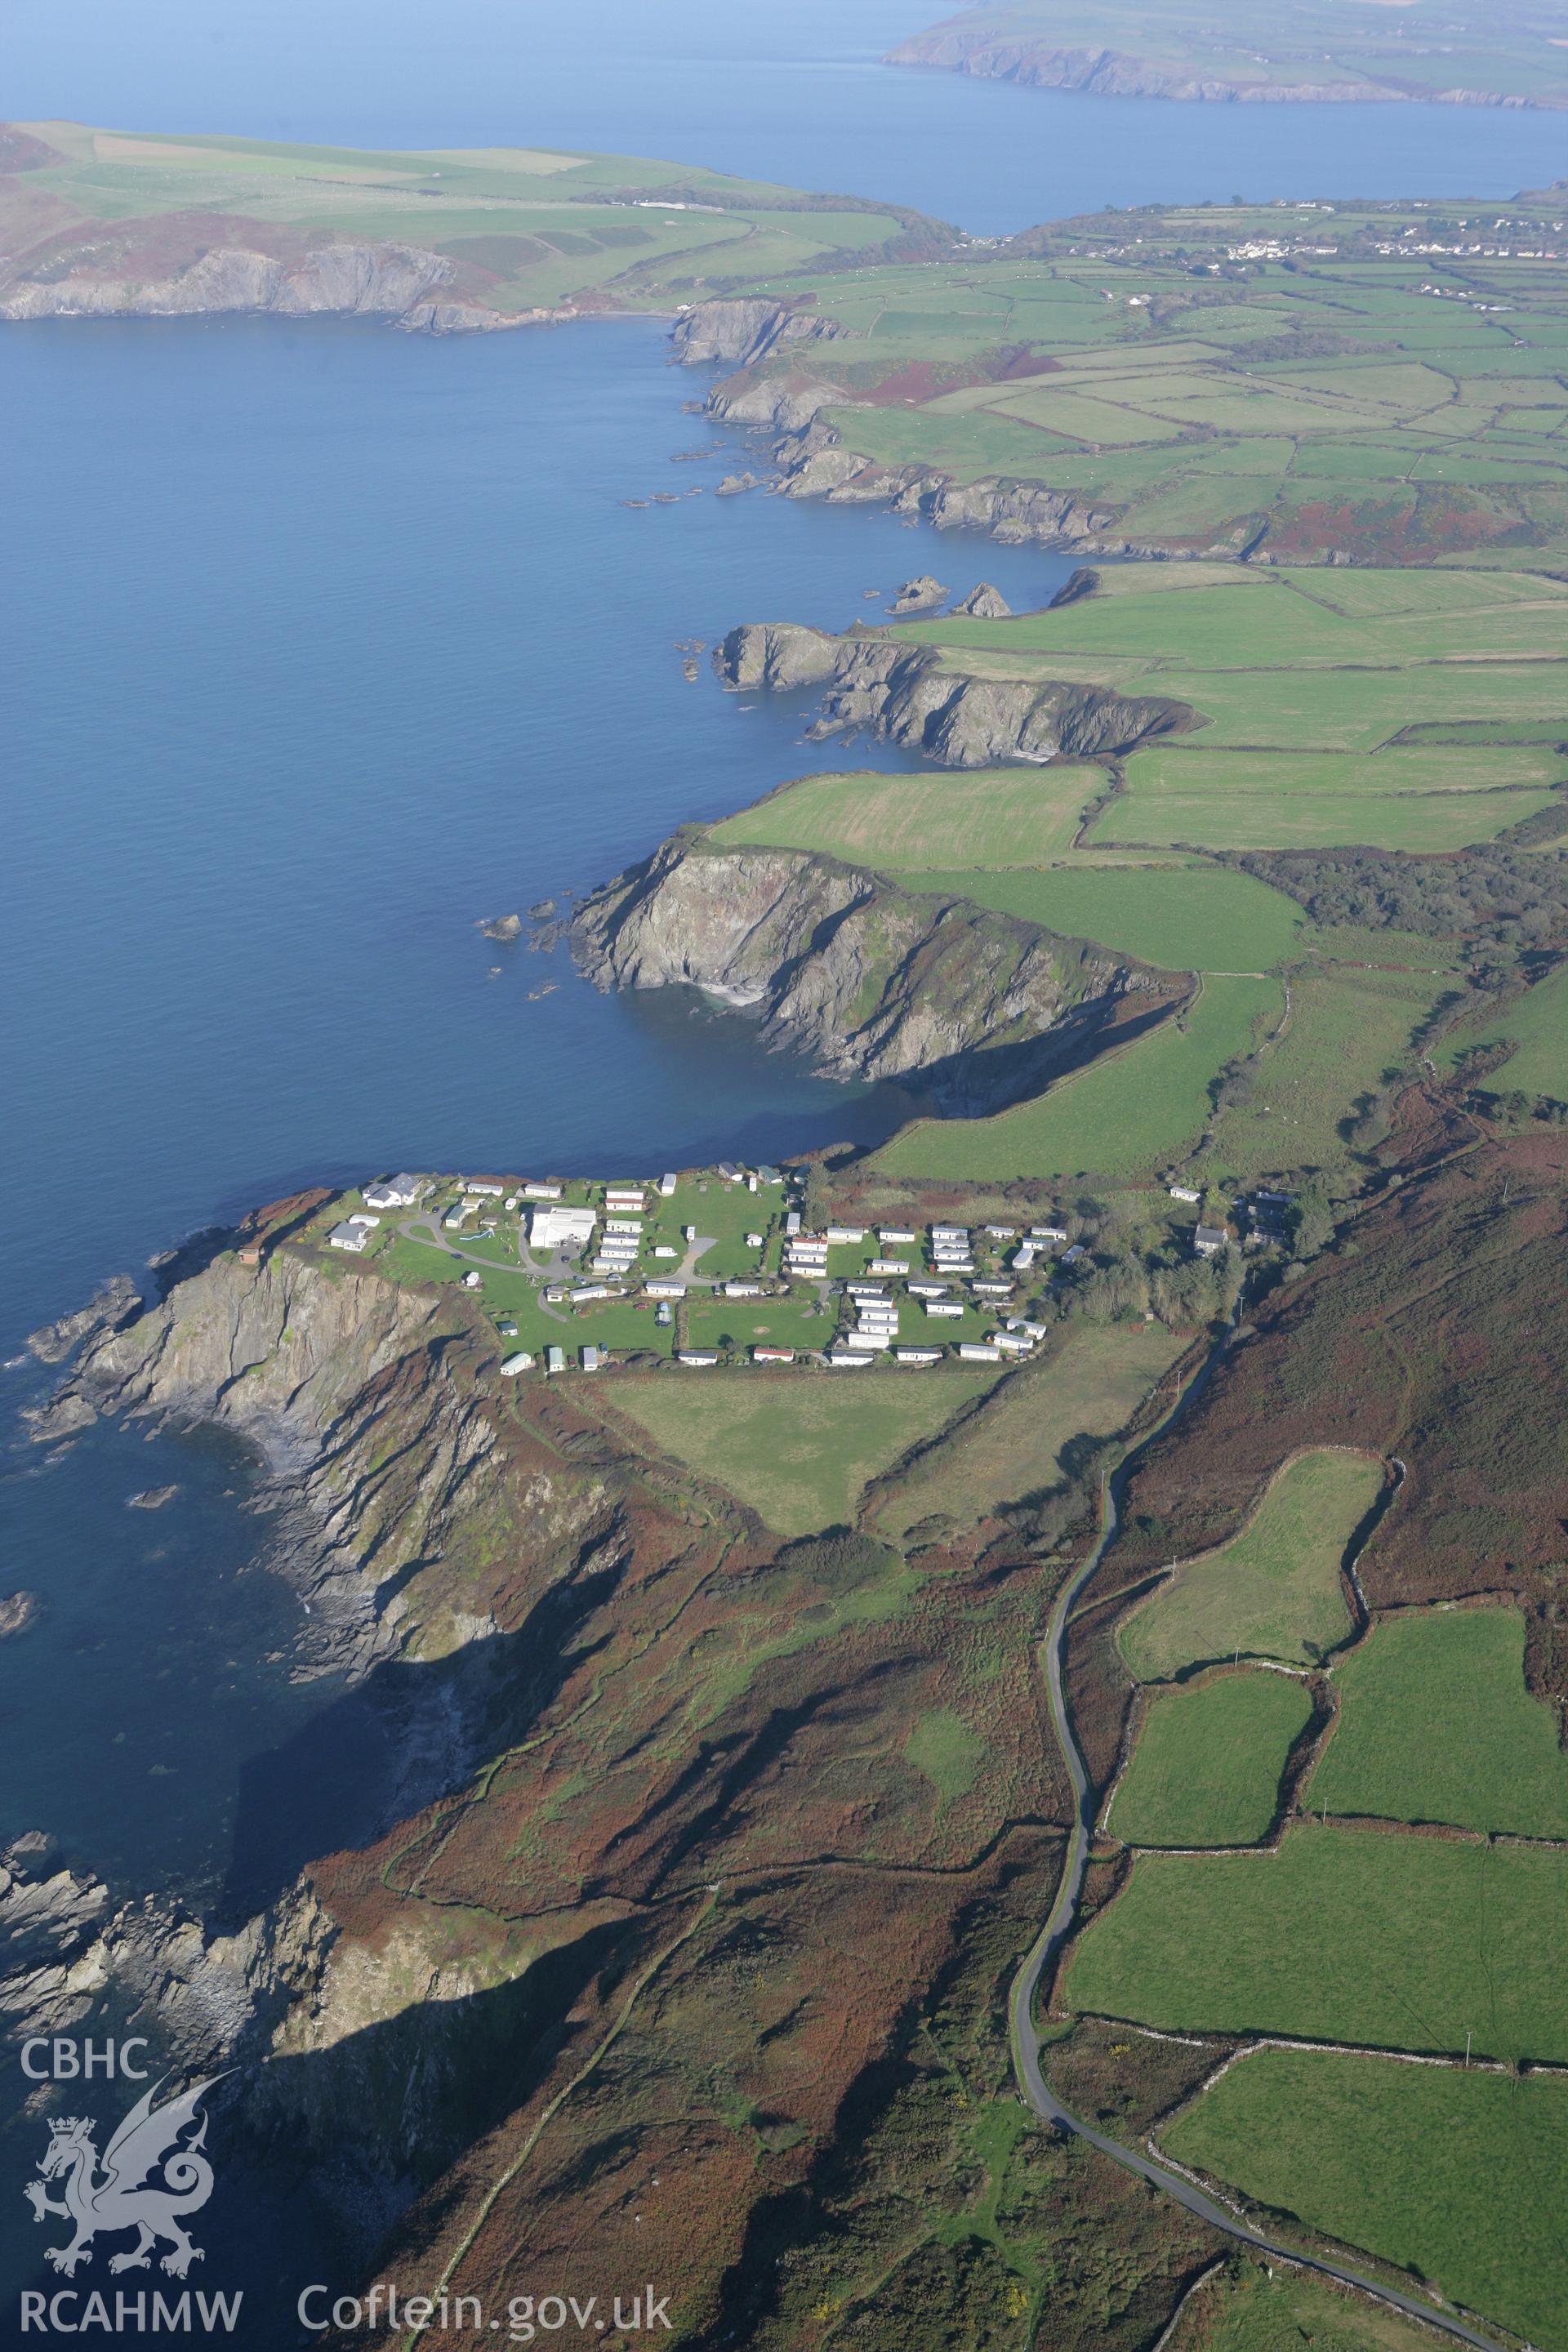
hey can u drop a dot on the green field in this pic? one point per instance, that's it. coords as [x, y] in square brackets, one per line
[1266, 2307]
[1428, 824]
[1405, 797]
[1435, 1723]
[1001, 817]
[1120, 1117]
[1536, 1025]
[1258, 2306]
[1458, 2176]
[1207, 1765]
[1273, 1590]
[1181, 769]
[1186, 917]
[1387, 1940]
[1335, 401]
[1094, 1382]
[799, 1449]
[1347, 1031]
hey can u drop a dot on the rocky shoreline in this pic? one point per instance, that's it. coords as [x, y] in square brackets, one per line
[901, 693]
[771, 392]
[425, 1533]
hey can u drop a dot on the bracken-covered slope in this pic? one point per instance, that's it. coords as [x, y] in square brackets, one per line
[694, 1969]
[1433, 1335]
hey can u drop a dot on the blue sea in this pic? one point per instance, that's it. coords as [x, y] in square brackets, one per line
[322, 642]
[793, 93]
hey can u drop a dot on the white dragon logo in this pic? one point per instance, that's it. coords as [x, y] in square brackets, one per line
[124, 2197]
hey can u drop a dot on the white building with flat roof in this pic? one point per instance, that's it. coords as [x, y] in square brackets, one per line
[560, 1228]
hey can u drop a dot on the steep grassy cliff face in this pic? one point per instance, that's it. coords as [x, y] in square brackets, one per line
[976, 1007]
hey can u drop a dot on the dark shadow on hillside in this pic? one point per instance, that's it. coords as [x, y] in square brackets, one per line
[319, 2154]
[411, 1733]
[986, 1079]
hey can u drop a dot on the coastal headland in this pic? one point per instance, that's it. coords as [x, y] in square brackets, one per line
[702, 1527]
[1309, 53]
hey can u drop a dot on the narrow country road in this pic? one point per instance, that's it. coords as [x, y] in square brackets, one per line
[1059, 1926]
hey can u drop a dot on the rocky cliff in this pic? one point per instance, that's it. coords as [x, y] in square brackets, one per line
[772, 393]
[363, 1401]
[971, 1007]
[815, 462]
[746, 330]
[907, 695]
[340, 278]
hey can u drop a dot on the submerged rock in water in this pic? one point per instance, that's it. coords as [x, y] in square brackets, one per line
[17, 1611]
[151, 1498]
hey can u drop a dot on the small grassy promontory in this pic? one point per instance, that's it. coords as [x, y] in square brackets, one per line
[1435, 1725]
[1207, 1766]
[1273, 1590]
[1456, 2175]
